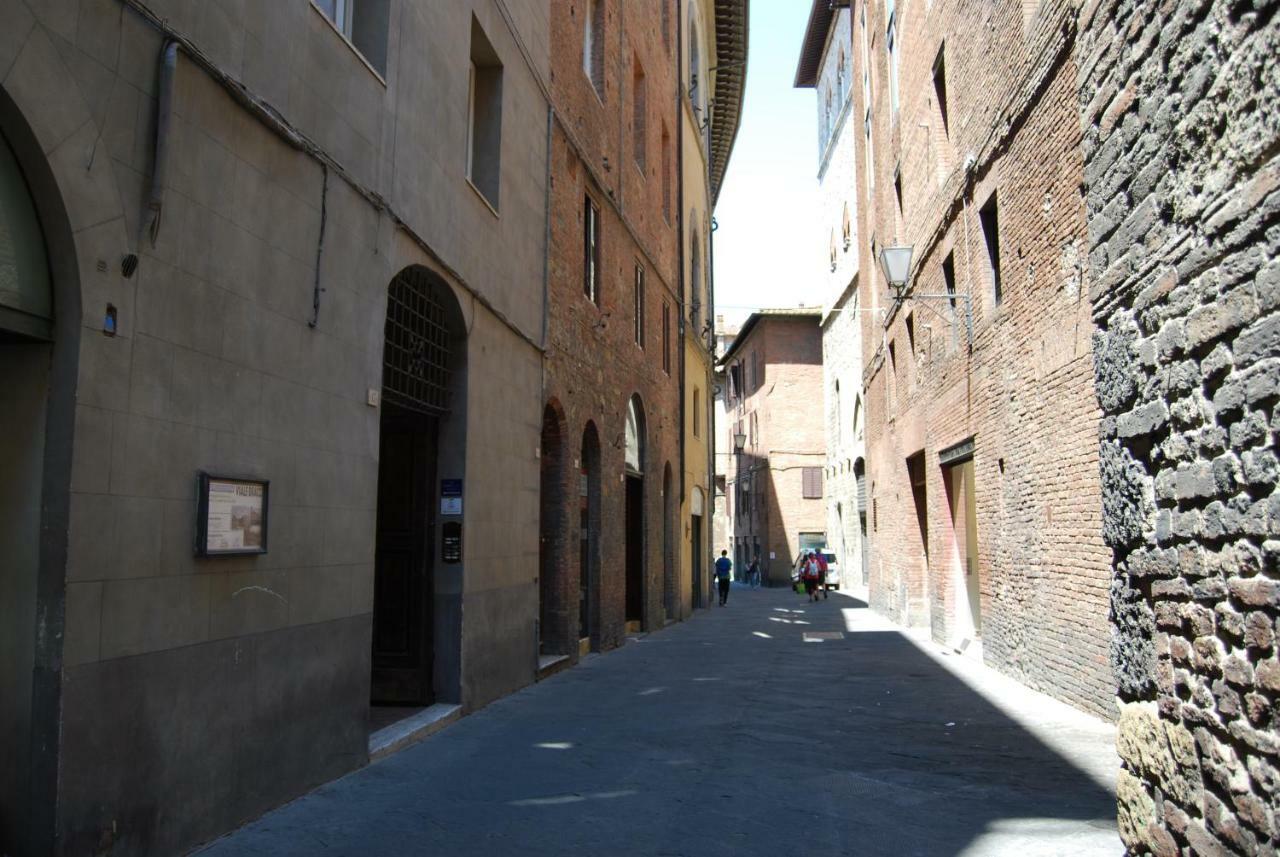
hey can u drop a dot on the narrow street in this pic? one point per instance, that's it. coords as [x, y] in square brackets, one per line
[774, 727]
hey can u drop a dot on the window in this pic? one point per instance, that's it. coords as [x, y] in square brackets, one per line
[756, 377]
[666, 24]
[484, 117]
[666, 173]
[695, 66]
[897, 193]
[639, 305]
[990, 218]
[811, 479]
[832, 250]
[365, 26]
[871, 158]
[695, 278]
[666, 337]
[949, 278]
[839, 421]
[893, 49]
[593, 45]
[591, 251]
[846, 228]
[940, 87]
[640, 115]
[697, 412]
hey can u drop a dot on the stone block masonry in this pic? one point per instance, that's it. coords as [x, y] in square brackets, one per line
[1181, 115]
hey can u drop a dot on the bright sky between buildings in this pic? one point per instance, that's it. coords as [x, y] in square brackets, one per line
[767, 251]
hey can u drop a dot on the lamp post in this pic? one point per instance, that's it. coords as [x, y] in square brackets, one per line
[895, 262]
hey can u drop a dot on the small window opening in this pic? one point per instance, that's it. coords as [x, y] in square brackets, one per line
[484, 126]
[990, 218]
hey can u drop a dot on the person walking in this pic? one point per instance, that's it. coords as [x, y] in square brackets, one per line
[724, 566]
[753, 573]
[810, 575]
[822, 571]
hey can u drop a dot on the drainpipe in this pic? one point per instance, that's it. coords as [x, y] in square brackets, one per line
[164, 117]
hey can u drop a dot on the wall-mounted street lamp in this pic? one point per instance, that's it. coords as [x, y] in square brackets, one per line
[739, 442]
[895, 262]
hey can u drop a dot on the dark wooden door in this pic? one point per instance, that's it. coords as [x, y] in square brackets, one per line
[403, 586]
[635, 549]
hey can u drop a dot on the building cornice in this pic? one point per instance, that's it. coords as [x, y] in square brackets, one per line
[730, 82]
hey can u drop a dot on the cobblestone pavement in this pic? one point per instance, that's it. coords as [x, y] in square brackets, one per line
[771, 727]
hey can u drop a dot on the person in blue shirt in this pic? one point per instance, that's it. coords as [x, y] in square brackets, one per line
[724, 566]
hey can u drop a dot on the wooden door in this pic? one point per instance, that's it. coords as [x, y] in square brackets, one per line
[403, 648]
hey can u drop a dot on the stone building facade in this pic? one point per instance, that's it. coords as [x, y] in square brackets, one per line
[1181, 118]
[267, 241]
[775, 484]
[825, 66]
[982, 458]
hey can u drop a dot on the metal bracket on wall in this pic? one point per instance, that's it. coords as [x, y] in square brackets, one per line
[968, 310]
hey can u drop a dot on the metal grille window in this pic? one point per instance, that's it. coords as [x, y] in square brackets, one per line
[415, 360]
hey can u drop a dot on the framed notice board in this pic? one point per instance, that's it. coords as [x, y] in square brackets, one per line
[231, 516]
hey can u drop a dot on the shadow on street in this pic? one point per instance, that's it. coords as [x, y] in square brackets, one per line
[773, 726]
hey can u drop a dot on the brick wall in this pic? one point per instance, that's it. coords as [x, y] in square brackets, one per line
[786, 401]
[1181, 176]
[593, 362]
[1023, 392]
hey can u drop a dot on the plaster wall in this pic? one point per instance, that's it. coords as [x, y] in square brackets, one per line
[216, 367]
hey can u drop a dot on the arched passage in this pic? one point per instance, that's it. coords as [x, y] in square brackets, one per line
[634, 464]
[554, 633]
[422, 446]
[589, 540]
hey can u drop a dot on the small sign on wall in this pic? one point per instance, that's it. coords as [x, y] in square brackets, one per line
[450, 496]
[231, 516]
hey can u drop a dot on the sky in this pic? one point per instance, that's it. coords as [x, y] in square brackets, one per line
[767, 252]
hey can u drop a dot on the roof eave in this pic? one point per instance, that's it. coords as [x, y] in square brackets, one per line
[731, 24]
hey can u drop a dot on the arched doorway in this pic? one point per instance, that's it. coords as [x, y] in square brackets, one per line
[40, 323]
[668, 545]
[553, 629]
[419, 547]
[635, 524]
[589, 541]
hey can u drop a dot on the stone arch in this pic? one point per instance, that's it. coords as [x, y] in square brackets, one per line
[45, 144]
[422, 444]
[555, 635]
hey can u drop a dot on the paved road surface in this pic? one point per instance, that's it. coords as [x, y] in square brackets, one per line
[733, 735]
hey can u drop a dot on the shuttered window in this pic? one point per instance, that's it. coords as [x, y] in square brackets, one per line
[812, 483]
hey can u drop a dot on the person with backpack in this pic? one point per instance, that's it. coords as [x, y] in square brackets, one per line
[810, 574]
[724, 566]
[822, 572]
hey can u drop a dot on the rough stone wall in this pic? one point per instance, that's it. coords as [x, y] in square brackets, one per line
[1023, 392]
[1181, 114]
[593, 363]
